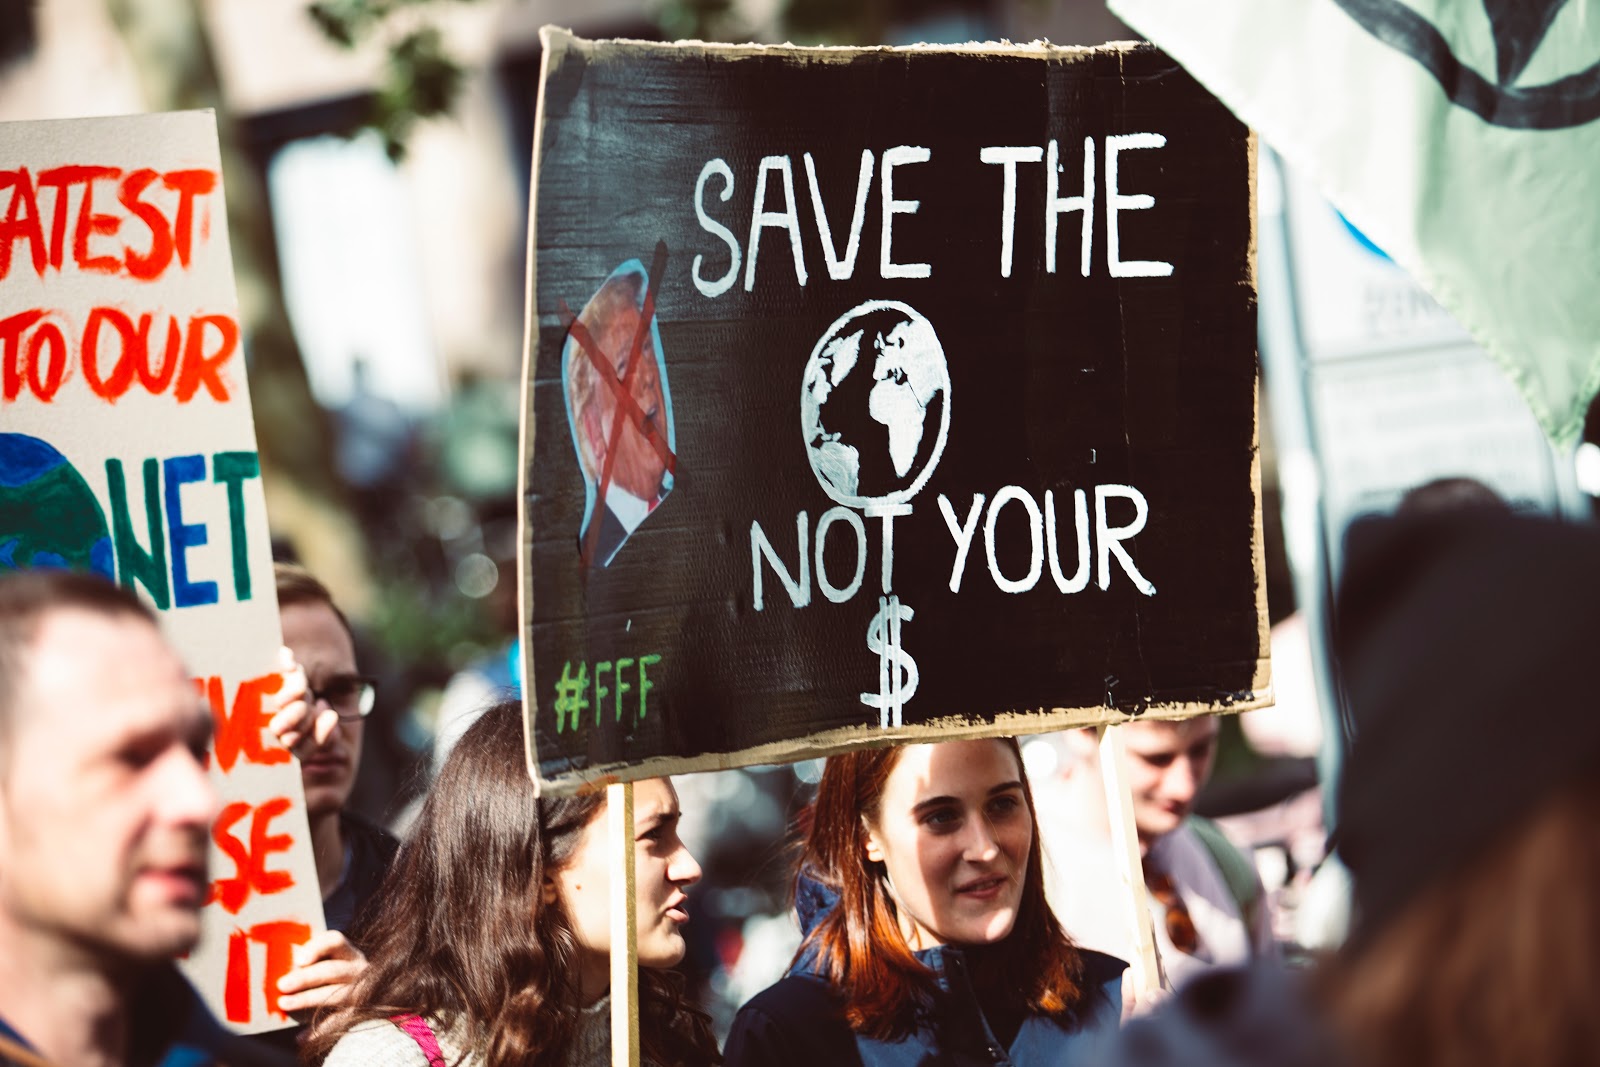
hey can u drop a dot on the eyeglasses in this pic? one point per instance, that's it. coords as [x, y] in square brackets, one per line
[351, 695]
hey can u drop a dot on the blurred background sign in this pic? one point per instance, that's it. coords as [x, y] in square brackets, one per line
[1397, 391]
[1375, 390]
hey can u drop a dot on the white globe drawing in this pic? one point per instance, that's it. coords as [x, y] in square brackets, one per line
[875, 404]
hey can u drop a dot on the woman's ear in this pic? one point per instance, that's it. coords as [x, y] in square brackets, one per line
[548, 893]
[870, 844]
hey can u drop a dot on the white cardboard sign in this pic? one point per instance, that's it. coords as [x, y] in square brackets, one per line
[127, 447]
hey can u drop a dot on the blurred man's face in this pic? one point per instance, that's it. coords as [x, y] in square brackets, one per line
[323, 647]
[1168, 763]
[105, 805]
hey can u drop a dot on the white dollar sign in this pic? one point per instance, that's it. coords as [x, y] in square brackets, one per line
[897, 671]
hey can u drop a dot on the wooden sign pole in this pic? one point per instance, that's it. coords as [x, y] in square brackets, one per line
[624, 928]
[1146, 965]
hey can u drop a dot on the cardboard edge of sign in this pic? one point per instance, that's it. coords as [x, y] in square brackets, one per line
[551, 40]
[849, 738]
[1261, 680]
[555, 44]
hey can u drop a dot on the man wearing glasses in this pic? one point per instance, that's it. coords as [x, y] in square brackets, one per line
[352, 854]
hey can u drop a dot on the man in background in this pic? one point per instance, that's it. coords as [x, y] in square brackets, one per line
[352, 855]
[105, 813]
[1206, 900]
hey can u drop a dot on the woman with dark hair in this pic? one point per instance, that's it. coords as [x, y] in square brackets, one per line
[491, 945]
[936, 946]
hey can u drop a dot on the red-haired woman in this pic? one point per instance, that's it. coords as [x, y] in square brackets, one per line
[937, 946]
[491, 946]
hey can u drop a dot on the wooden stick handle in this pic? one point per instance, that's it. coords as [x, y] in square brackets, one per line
[1146, 965]
[624, 928]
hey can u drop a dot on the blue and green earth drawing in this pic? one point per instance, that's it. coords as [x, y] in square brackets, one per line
[49, 516]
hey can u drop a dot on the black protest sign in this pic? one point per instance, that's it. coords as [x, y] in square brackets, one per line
[882, 394]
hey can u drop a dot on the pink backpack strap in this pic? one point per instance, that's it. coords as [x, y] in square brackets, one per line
[418, 1030]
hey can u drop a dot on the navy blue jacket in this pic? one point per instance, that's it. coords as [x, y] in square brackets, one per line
[800, 1021]
[1260, 1016]
[172, 1028]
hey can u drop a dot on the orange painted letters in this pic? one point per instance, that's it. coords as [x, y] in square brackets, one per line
[116, 354]
[250, 864]
[280, 939]
[171, 231]
[241, 732]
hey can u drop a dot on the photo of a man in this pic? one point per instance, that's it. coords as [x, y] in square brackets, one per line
[620, 412]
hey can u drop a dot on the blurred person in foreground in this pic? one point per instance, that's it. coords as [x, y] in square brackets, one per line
[929, 941]
[105, 809]
[1206, 900]
[352, 855]
[1467, 816]
[491, 945]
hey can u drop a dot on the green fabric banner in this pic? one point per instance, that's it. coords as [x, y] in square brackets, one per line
[1463, 138]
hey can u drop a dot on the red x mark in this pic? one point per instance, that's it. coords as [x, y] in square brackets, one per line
[626, 405]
